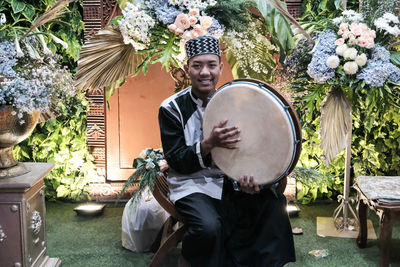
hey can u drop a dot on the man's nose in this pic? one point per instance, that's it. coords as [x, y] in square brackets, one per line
[204, 71]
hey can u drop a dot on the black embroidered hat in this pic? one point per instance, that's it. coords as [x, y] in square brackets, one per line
[203, 44]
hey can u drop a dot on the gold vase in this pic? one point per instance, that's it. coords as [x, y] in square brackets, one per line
[12, 132]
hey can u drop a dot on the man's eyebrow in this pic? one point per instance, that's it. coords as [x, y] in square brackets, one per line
[199, 61]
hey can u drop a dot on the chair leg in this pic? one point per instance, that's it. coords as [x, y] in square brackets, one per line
[167, 244]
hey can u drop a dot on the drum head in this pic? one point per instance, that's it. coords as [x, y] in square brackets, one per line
[267, 149]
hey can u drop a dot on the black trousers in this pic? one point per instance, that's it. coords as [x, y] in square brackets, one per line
[241, 230]
[202, 243]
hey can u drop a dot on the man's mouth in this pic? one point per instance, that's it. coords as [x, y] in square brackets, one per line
[205, 81]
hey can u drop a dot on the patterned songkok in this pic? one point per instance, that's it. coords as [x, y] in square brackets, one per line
[204, 44]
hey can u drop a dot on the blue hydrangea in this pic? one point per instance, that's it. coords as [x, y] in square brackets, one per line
[376, 72]
[164, 12]
[379, 69]
[380, 53]
[216, 29]
[394, 75]
[8, 59]
[317, 69]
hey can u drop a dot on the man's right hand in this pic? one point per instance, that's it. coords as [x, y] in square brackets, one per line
[221, 136]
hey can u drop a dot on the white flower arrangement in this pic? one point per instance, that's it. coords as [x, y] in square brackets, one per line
[135, 25]
[389, 24]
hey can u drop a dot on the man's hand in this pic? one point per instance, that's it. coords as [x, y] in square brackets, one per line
[221, 136]
[248, 185]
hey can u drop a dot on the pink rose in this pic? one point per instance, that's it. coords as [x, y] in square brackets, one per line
[187, 35]
[344, 26]
[370, 43]
[362, 41]
[178, 31]
[363, 27]
[194, 12]
[192, 20]
[182, 21]
[339, 41]
[355, 29]
[346, 34]
[205, 21]
[172, 27]
[198, 29]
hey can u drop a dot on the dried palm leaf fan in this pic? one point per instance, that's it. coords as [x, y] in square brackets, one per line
[335, 123]
[105, 59]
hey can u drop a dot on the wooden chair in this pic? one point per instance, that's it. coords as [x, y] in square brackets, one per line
[173, 228]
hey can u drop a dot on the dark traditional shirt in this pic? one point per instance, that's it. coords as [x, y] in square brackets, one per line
[181, 118]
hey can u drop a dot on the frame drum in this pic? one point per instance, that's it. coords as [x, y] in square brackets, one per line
[270, 131]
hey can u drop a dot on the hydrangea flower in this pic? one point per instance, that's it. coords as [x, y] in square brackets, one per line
[318, 69]
[31, 84]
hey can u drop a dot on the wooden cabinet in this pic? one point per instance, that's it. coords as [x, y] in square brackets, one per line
[23, 218]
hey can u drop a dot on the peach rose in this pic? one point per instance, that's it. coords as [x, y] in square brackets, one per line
[339, 41]
[347, 34]
[178, 31]
[172, 27]
[355, 29]
[344, 26]
[194, 12]
[205, 21]
[192, 20]
[182, 21]
[198, 29]
[187, 35]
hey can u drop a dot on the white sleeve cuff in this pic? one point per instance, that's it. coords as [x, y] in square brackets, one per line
[198, 152]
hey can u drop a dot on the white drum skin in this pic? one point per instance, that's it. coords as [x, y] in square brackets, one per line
[268, 139]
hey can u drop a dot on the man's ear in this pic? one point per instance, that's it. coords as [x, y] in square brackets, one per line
[221, 67]
[186, 68]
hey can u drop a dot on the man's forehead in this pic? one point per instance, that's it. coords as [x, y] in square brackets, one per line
[204, 58]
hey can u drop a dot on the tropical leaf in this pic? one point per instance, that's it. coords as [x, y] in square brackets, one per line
[105, 59]
[277, 17]
[335, 123]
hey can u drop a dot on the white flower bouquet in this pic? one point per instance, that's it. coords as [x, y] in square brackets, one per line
[352, 51]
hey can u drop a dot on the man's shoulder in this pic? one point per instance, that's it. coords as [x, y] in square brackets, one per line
[173, 98]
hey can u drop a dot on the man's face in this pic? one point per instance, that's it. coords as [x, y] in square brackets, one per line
[204, 72]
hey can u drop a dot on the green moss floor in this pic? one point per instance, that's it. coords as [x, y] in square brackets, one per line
[84, 241]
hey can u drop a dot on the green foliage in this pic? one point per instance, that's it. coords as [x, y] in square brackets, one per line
[254, 57]
[312, 185]
[278, 28]
[164, 46]
[68, 27]
[62, 141]
[233, 14]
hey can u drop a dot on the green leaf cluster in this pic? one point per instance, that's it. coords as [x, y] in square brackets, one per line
[62, 141]
[312, 185]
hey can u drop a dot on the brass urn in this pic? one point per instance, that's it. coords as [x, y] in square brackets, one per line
[12, 132]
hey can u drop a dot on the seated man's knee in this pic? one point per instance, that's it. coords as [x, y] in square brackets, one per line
[208, 231]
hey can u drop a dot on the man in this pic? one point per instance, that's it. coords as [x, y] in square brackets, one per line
[214, 236]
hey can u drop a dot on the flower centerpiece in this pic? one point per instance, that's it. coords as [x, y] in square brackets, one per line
[154, 31]
[32, 82]
[352, 56]
[149, 165]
